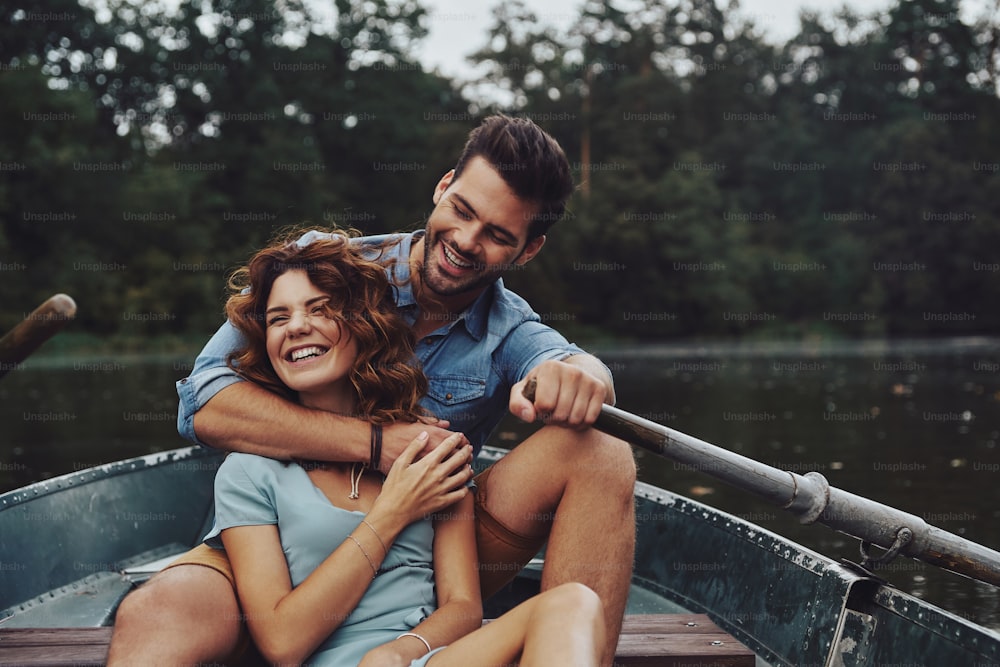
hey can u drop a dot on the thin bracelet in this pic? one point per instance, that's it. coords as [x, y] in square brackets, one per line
[367, 557]
[372, 528]
[376, 447]
[414, 634]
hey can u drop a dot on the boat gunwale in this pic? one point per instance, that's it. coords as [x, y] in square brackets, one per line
[52, 485]
[875, 591]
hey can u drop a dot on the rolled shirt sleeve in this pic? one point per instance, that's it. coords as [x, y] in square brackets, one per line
[209, 376]
[532, 343]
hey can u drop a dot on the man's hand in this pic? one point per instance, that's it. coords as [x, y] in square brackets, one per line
[397, 437]
[417, 488]
[565, 395]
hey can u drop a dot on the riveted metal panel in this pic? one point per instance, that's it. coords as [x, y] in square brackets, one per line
[783, 601]
[65, 529]
[911, 632]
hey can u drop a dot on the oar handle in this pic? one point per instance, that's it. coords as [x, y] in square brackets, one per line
[40, 325]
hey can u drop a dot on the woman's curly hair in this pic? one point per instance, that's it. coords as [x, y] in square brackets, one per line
[386, 375]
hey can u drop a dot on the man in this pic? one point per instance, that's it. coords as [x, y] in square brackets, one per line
[567, 484]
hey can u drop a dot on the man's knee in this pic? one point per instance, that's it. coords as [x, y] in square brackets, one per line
[606, 457]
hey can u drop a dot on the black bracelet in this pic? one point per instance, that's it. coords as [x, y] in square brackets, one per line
[376, 451]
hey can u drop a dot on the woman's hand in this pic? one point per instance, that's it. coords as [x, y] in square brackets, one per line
[416, 488]
[387, 655]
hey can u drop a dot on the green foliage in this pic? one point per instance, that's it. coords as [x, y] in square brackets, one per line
[844, 183]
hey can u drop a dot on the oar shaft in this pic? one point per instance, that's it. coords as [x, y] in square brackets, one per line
[43, 323]
[771, 484]
[809, 497]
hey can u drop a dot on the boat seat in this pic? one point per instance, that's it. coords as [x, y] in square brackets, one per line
[675, 640]
[92, 600]
[647, 640]
[89, 602]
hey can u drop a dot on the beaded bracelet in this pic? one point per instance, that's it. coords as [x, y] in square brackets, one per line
[372, 528]
[367, 557]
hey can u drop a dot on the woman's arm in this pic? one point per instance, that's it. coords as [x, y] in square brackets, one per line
[456, 579]
[456, 576]
[288, 624]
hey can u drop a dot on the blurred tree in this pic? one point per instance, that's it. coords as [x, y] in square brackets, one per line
[187, 134]
[151, 147]
[936, 53]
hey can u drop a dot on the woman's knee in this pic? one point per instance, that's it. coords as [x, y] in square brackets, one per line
[573, 599]
[580, 607]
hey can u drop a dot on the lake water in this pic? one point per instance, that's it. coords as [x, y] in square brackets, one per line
[912, 424]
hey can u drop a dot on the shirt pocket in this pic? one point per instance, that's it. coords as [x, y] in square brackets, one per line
[449, 390]
[459, 399]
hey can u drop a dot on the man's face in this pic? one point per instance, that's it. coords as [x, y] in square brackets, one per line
[477, 230]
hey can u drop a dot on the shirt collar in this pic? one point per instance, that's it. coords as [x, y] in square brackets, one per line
[401, 270]
[474, 318]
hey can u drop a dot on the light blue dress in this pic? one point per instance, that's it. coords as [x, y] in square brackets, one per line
[252, 490]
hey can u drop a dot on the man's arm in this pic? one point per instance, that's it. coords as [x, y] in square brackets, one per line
[220, 409]
[245, 417]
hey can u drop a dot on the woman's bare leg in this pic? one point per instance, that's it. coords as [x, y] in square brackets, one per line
[186, 615]
[561, 626]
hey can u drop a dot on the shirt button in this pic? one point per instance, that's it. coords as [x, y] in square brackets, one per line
[448, 396]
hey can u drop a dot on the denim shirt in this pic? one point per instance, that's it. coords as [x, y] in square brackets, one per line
[471, 361]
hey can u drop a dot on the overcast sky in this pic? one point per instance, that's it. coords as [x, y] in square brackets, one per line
[459, 27]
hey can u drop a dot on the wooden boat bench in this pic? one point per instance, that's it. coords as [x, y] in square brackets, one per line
[660, 640]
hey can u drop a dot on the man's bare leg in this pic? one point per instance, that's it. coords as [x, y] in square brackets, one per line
[185, 615]
[577, 486]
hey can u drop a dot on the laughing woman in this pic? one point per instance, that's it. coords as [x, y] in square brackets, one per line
[334, 564]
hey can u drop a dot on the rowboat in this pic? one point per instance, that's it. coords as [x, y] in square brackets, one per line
[73, 546]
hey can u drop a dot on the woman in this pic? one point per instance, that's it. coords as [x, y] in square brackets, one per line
[332, 563]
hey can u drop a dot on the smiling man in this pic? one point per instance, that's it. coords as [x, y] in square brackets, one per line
[567, 485]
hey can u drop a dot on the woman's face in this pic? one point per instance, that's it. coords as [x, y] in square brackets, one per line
[310, 353]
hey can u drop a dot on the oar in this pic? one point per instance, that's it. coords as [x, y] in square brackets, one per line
[810, 497]
[43, 323]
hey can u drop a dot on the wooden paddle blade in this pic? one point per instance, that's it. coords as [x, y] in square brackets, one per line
[43, 323]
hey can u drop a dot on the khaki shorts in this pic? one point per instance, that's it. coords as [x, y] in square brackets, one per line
[502, 552]
[209, 557]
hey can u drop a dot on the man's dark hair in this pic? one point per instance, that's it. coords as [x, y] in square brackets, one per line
[529, 160]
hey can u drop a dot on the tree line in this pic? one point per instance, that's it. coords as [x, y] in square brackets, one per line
[844, 183]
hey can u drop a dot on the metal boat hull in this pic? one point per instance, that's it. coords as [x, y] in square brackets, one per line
[73, 546]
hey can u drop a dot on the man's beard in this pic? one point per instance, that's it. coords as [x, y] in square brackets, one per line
[444, 285]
